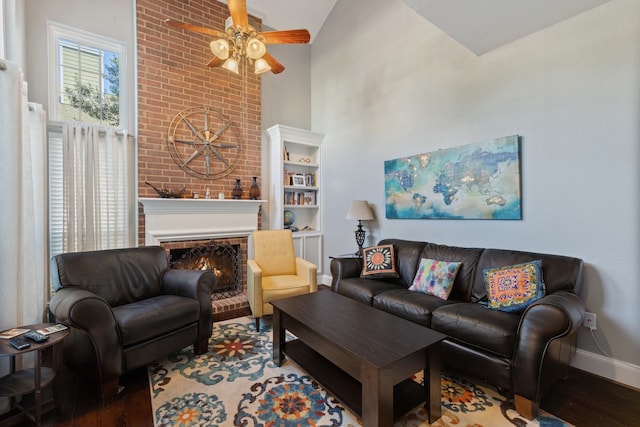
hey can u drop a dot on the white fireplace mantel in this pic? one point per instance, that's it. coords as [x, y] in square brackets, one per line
[170, 220]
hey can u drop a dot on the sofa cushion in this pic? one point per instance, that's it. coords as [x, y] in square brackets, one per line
[435, 277]
[513, 288]
[379, 262]
[364, 290]
[413, 306]
[476, 325]
[153, 317]
[468, 257]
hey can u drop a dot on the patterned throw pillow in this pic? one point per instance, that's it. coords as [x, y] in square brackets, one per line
[379, 262]
[435, 277]
[513, 288]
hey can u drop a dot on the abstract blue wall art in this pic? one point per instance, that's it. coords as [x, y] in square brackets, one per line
[475, 181]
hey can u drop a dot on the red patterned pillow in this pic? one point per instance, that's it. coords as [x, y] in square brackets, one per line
[513, 288]
[379, 262]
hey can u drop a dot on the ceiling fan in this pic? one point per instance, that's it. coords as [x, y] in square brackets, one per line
[241, 41]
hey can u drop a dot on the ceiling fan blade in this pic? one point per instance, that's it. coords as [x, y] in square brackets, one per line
[201, 30]
[286, 36]
[215, 62]
[238, 11]
[276, 67]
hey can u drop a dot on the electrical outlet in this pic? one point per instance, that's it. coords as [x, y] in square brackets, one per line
[590, 321]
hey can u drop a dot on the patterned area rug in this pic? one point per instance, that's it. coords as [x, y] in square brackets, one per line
[236, 383]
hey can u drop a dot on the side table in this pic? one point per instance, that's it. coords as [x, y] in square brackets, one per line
[351, 255]
[33, 380]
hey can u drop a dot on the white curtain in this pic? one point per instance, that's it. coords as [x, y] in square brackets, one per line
[97, 165]
[23, 206]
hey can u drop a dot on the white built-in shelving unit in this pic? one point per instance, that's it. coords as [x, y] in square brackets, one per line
[295, 185]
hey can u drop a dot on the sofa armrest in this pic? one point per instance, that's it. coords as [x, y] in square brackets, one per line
[93, 328]
[343, 268]
[196, 284]
[308, 271]
[552, 317]
[254, 287]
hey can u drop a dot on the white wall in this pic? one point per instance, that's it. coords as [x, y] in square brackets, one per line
[385, 83]
[286, 100]
[286, 97]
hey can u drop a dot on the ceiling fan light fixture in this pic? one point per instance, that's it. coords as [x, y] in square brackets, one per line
[232, 65]
[255, 48]
[220, 48]
[261, 66]
[228, 25]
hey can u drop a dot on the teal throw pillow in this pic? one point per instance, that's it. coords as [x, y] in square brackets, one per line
[435, 277]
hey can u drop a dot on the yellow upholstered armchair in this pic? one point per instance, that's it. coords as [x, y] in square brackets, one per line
[275, 272]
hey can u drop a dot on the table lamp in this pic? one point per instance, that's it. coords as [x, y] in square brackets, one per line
[360, 210]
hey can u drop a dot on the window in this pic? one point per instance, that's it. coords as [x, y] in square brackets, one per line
[92, 203]
[86, 77]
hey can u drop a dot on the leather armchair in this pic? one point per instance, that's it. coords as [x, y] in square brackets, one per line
[275, 272]
[126, 308]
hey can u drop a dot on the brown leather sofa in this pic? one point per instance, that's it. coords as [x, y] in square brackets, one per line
[126, 308]
[521, 353]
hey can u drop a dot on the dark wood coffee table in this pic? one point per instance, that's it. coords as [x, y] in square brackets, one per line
[361, 355]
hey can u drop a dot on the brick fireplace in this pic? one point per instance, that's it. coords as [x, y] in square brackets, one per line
[173, 76]
[201, 225]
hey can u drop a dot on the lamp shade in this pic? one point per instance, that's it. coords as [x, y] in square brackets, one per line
[232, 65]
[255, 48]
[261, 66]
[360, 210]
[220, 48]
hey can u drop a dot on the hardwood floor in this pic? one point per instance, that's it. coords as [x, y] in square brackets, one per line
[587, 400]
[583, 400]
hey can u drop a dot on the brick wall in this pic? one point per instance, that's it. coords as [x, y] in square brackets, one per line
[172, 76]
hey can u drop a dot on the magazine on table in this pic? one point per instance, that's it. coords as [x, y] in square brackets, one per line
[51, 329]
[13, 332]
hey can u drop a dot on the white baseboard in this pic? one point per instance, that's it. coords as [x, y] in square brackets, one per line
[615, 370]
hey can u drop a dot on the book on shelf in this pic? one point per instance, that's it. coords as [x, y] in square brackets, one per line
[13, 332]
[309, 198]
[301, 198]
[310, 179]
[288, 177]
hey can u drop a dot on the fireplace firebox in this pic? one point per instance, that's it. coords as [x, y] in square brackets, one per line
[224, 259]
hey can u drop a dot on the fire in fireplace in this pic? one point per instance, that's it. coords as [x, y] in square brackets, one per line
[223, 259]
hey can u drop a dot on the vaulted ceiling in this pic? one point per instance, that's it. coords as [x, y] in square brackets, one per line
[479, 25]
